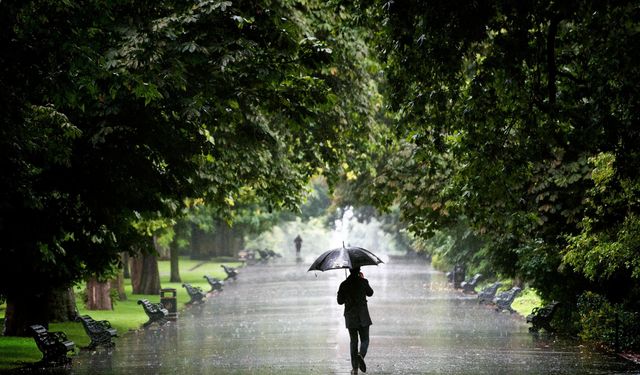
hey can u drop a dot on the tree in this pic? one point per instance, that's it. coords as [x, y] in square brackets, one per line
[145, 275]
[518, 119]
[117, 112]
[98, 294]
[180, 234]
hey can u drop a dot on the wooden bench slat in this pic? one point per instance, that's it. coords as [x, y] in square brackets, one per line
[470, 286]
[156, 312]
[195, 293]
[216, 285]
[504, 300]
[53, 345]
[100, 332]
[487, 294]
[231, 272]
[541, 317]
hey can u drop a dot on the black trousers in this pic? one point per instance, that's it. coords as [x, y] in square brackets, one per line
[364, 343]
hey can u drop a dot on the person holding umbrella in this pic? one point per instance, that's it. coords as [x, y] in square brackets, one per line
[353, 293]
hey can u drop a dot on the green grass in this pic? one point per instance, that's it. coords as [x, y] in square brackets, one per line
[523, 303]
[16, 351]
[526, 301]
[126, 315]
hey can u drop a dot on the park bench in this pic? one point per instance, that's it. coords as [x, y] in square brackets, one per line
[264, 255]
[251, 255]
[53, 345]
[487, 294]
[246, 255]
[540, 317]
[195, 293]
[470, 286]
[100, 332]
[216, 285]
[230, 271]
[456, 276]
[156, 312]
[504, 300]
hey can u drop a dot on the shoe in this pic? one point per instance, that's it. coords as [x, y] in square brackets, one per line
[361, 364]
[354, 371]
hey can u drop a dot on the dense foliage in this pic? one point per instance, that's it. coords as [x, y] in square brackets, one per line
[609, 324]
[509, 140]
[119, 112]
[518, 129]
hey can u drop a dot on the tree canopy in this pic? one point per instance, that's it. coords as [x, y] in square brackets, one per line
[122, 111]
[511, 127]
[517, 120]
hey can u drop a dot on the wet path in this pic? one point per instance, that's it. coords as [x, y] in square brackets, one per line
[279, 319]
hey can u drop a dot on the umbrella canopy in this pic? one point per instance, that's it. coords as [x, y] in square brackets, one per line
[345, 257]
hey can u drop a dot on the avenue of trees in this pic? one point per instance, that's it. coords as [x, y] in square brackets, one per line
[121, 114]
[509, 128]
[517, 133]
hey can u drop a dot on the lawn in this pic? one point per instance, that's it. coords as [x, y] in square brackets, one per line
[526, 301]
[126, 315]
[523, 303]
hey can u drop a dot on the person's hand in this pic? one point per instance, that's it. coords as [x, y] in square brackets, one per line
[361, 275]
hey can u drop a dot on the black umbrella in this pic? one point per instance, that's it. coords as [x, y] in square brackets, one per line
[344, 257]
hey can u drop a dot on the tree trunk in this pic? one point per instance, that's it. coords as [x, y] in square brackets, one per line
[237, 241]
[23, 311]
[62, 305]
[145, 276]
[99, 295]
[218, 240]
[200, 248]
[163, 252]
[125, 265]
[119, 285]
[224, 241]
[227, 241]
[175, 270]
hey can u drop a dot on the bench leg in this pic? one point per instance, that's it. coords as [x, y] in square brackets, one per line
[92, 345]
[57, 356]
[101, 341]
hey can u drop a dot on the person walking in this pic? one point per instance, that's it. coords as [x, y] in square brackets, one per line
[298, 242]
[353, 293]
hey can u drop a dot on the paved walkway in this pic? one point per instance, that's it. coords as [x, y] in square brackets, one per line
[279, 319]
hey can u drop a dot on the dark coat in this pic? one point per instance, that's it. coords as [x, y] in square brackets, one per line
[352, 293]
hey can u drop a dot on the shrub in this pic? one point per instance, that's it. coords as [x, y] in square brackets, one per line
[608, 324]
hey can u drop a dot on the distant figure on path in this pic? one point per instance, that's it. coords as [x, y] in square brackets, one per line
[298, 242]
[353, 293]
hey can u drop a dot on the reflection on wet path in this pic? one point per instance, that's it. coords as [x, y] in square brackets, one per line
[279, 319]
